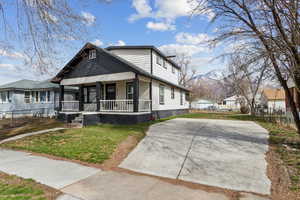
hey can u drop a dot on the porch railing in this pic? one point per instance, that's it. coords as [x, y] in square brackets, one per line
[124, 105]
[118, 105]
[70, 106]
[144, 105]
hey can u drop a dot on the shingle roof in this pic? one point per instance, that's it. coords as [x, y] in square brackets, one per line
[274, 94]
[30, 84]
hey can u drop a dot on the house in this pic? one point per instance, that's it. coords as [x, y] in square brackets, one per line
[232, 103]
[273, 100]
[202, 104]
[122, 85]
[27, 97]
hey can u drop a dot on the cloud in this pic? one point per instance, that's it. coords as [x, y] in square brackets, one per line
[189, 50]
[120, 43]
[88, 18]
[166, 11]
[160, 26]
[98, 42]
[13, 54]
[194, 39]
[142, 8]
[7, 66]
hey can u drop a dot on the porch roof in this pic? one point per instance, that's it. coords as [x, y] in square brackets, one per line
[130, 65]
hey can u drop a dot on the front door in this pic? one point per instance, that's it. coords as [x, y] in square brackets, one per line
[110, 91]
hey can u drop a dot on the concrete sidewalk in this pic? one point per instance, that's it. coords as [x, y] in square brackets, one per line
[30, 134]
[79, 182]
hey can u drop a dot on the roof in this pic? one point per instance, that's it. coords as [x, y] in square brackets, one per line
[232, 98]
[145, 47]
[130, 65]
[274, 94]
[203, 101]
[26, 84]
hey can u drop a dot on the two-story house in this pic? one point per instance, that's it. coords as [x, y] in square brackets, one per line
[121, 84]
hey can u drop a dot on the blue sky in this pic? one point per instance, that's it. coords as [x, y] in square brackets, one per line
[167, 24]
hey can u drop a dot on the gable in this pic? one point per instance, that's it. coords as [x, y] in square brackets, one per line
[103, 64]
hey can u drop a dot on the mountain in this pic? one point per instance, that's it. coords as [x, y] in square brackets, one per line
[214, 75]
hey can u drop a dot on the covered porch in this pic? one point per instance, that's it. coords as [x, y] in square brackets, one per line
[118, 93]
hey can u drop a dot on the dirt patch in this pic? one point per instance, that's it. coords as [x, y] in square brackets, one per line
[49, 193]
[279, 176]
[121, 152]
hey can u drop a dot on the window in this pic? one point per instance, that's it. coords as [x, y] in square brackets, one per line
[181, 97]
[164, 64]
[43, 96]
[27, 97]
[159, 60]
[3, 97]
[129, 91]
[92, 54]
[187, 96]
[36, 96]
[161, 94]
[48, 96]
[173, 70]
[172, 93]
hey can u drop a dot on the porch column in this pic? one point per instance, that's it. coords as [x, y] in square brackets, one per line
[136, 94]
[61, 96]
[81, 98]
[98, 92]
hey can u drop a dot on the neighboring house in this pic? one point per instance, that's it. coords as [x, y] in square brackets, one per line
[27, 97]
[202, 104]
[231, 103]
[273, 100]
[122, 84]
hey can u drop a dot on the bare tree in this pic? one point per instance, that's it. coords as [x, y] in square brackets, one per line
[245, 77]
[39, 29]
[273, 24]
[187, 74]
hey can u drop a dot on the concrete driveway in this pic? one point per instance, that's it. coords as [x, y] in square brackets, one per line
[221, 153]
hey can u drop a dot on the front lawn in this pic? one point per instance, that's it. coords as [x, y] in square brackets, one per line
[20, 126]
[14, 188]
[93, 144]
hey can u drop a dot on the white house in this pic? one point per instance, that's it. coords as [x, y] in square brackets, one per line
[202, 104]
[273, 100]
[122, 84]
[231, 103]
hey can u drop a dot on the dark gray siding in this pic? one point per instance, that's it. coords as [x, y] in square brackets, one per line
[102, 64]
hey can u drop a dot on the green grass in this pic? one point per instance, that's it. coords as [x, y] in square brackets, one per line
[14, 188]
[92, 144]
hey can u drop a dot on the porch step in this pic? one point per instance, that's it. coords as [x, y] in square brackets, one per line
[78, 120]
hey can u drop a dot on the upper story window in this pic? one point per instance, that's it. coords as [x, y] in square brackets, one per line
[172, 93]
[27, 97]
[159, 60]
[92, 54]
[164, 64]
[161, 94]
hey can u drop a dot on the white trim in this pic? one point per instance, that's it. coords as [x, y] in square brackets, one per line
[105, 77]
